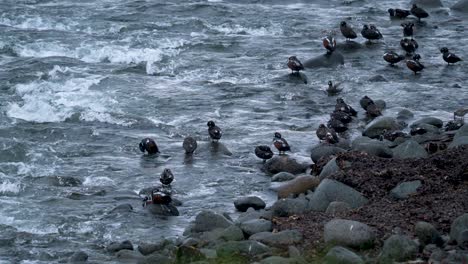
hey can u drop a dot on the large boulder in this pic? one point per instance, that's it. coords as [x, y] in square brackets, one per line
[427, 3]
[405, 114]
[405, 189]
[280, 239]
[349, 233]
[256, 226]
[208, 220]
[372, 147]
[300, 184]
[427, 234]
[282, 177]
[459, 225]
[459, 141]
[321, 150]
[462, 131]
[284, 163]
[325, 60]
[428, 120]
[375, 128]
[117, 246]
[246, 247]
[461, 6]
[331, 191]
[341, 255]
[330, 168]
[409, 149]
[232, 233]
[289, 206]
[244, 203]
[398, 248]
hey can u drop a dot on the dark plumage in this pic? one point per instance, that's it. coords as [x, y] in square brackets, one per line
[414, 64]
[337, 125]
[263, 152]
[365, 102]
[347, 31]
[418, 131]
[418, 12]
[373, 110]
[448, 56]
[398, 13]
[371, 33]
[148, 145]
[327, 134]
[392, 57]
[409, 45]
[342, 116]
[159, 198]
[166, 177]
[190, 145]
[295, 64]
[333, 89]
[281, 144]
[407, 29]
[392, 135]
[344, 107]
[214, 131]
[329, 43]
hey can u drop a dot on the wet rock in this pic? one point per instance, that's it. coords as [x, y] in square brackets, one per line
[129, 256]
[256, 226]
[163, 209]
[280, 239]
[398, 248]
[232, 233]
[148, 248]
[428, 120]
[122, 208]
[375, 128]
[421, 139]
[405, 114]
[282, 176]
[187, 254]
[156, 258]
[459, 141]
[208, 220]
[300, 184]
[380, 104]
[289, 206]
[462, 132]
[343, 256]
[321, 150]
[463, 239]
[117, 246]
[377, 78]
[78, 257]
[372, 147]
[459, 225]
[409, 149]
[278, 260]
[244, 203]
[330, 168]
[246, 247]
[249, 215]
[64, 181]
[405, 189]
[337, 207]
[191, 242]
[284, 163]
[325, 60]
[297, 77]
[349, 233]
[427, 3]
[461, 6]
[333, 191]
[425, 127]
[349, 46]
[427, 234]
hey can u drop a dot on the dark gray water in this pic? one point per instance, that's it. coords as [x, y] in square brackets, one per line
[82, 82]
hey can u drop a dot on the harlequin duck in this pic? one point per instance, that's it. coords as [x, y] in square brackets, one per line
[418, 12]
[214, 131]
[365, 101]
[342, 116]
[347, 31]
[281, 144]
[190, 145]
[373, 110]
[263, 152]
[344, 107]
[398, 13]
[337, 125]
[295, 64]
[448, 56]
[148, 145]
[327, 134]
[371, 33]
[409, 45]
[333, 89]
[392, 135]
[407, 29]
[329, 43]
[166, 177]
[418, 131]
[392, 57]
[157, 197]
[414, 64]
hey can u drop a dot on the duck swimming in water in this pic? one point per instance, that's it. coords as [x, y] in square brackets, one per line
[448, 56]
[414, 64]
[398, 13]
[333, 88]
[189, 145]
[148, 145]
[214, 131]
[263, 152]
[347, 31]
[392, 57]
[281, 144]
[166, 177]
[295, 64]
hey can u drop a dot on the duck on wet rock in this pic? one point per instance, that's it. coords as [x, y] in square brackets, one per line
[392, 57]
[281, 144]
[418, 12]
[449, 57]
[214, 131]
[371, 33]
[347, 31]
[295, 65]
[409, 45]
[414, 64]
[398, 13]
[263, 152]
[329, 43]
[344, 107]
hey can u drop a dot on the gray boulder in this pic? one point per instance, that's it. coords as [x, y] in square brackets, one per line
[300, 184]
[405, 114]
[78, 256]
[461, 6]
[256, 226]
[462, 131]
[117, 246]
[459, 225]
[246, 247]
[149, 248]
[244, 203]
[284, 163]
[232, 233]
[320, 151]
[280, 239]
[337, 207]
[282, 176]
[377, 78]
[405, 189]
[372, 147]
[129, 256]
[278, 260]
[398, 248]
[333, 191]
[330, 168]
[427, 234]
[208, 220]
[156, 258]
[341, 255]
[427, 3]
[325, 60]
[428, 120]
[375, 128]
[349, 233]
[163, 209]
[249, 215]
[409, 149]
[289, 206]
[459, 141]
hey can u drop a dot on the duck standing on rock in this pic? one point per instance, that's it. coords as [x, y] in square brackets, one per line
[392, 57]
[189, 145]
[337, 125]
[263, 152]
[409, 45]
[448, 56]
[295, 65]
[148, 145]
[281, 144]
[398, 13]
[342, 116]
[333, 89]
[418, 12]
[371, 33]
[373, 110]
[347, 31]
[327, 134]
[214, 131]
[344, 107]
[329, 43]
[365, 102]
[414, 64]
[407, 29]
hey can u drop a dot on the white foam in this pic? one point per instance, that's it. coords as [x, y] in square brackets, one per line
[236, 29]
[37, 23]
[98, 181]
[8, 187]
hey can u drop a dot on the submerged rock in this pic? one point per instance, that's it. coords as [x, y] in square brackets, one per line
[325, 60]
[244, 203]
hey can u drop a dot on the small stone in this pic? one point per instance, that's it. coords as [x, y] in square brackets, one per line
[288, 206]
[282, 176]
[256, 226]
[405, 189]
[349, 233]
[342, 255]
[398, 248]
[117, 246]
[78, 256]
[243, 203]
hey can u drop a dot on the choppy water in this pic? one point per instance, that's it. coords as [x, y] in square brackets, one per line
[81, 83]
